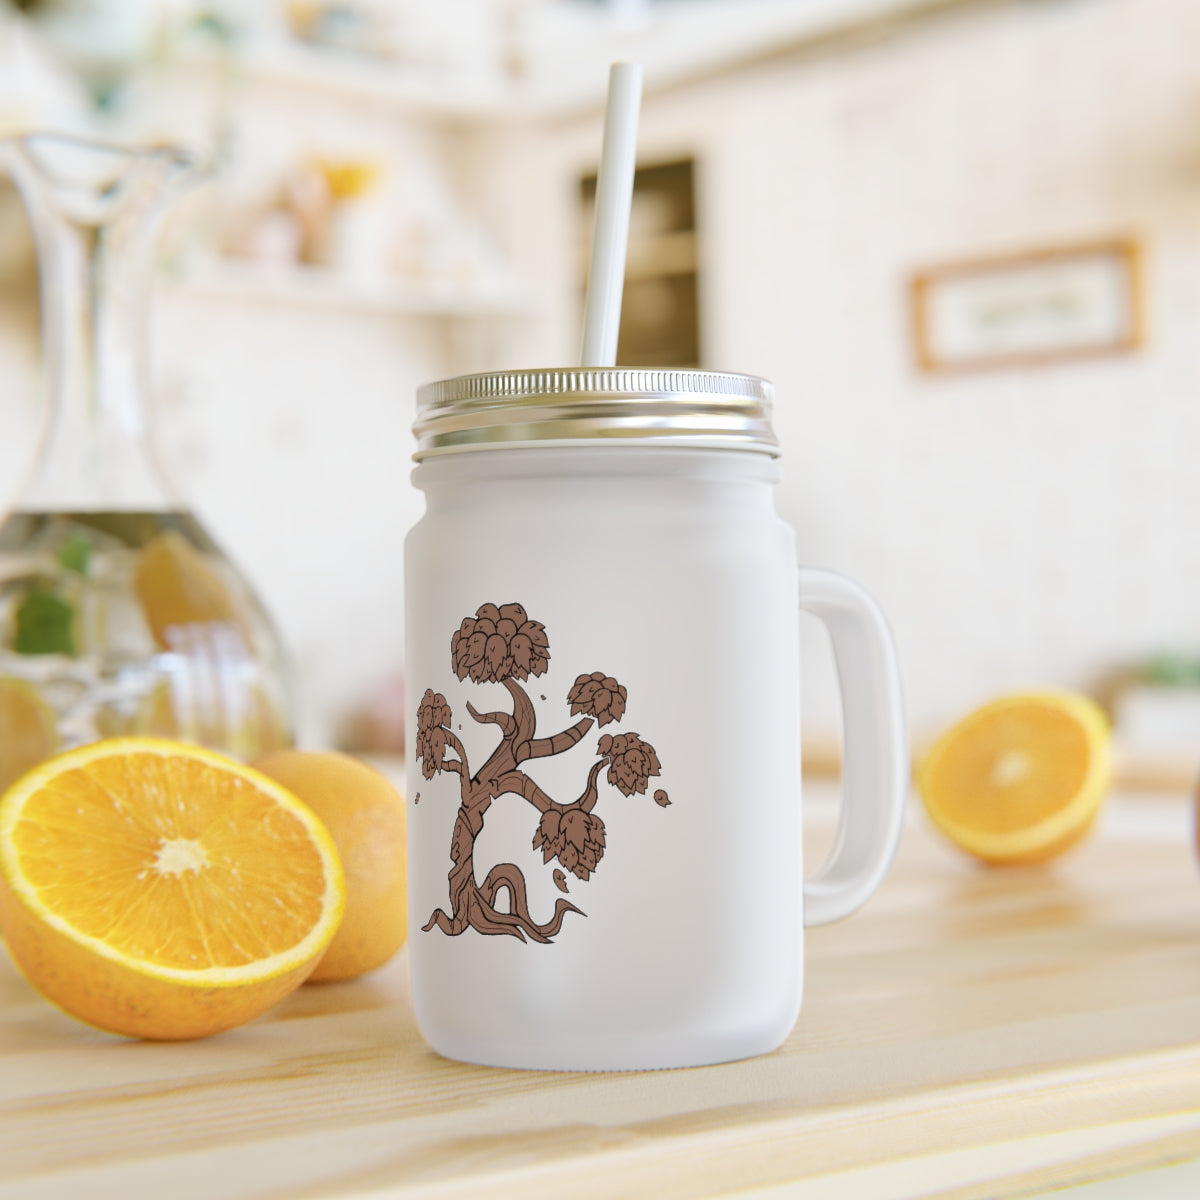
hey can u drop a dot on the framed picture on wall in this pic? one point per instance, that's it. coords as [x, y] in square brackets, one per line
[1041, 306]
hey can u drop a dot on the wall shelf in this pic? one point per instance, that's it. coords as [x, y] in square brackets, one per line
[362, 79]
[318, 287]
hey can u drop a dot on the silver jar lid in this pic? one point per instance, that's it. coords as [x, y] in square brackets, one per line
[593, 405]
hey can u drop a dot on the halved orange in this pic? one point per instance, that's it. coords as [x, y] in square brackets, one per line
[1019, 780]
[163, 891]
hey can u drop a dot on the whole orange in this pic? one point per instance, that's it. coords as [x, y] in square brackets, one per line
[366, 818]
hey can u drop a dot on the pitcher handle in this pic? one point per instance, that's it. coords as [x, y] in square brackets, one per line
[875, 768]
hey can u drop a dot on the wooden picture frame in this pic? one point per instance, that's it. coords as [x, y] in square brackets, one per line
[1042, 306]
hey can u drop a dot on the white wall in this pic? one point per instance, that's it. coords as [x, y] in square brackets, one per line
[291, 435]
[1019, 527]
[1032, 526]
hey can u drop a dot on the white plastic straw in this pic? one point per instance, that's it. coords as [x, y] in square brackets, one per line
[610, 234]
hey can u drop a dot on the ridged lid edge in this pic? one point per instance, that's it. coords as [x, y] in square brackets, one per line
[660, 406]
[594, 381]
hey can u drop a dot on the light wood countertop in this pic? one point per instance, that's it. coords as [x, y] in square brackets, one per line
[969, 1033]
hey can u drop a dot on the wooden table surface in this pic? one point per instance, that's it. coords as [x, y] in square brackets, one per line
[970, 1032]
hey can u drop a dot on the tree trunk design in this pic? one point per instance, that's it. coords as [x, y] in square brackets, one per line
[501, 645]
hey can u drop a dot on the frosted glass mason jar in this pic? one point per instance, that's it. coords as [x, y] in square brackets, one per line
[604, 782]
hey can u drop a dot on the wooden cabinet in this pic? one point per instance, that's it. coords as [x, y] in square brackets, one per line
[660, 323]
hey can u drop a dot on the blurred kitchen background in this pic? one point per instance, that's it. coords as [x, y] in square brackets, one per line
[961, 236]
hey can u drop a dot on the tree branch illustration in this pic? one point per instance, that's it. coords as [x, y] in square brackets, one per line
[545, 747]
[500, 644]
[507, 725]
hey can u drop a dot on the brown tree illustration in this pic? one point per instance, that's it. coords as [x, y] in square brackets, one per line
[500, 644]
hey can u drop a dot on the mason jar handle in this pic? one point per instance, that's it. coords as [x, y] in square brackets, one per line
[875, 762]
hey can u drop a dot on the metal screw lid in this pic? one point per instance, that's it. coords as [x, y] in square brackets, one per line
[511, 409]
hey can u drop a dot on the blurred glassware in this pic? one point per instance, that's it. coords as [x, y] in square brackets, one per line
[100, 41]
[348, 28]
[36, 90]
[377, 726]
[118, 612]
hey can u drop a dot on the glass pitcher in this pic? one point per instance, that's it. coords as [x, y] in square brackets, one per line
[119, 615]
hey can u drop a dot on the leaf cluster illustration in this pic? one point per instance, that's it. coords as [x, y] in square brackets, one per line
[632, 762]
[433, 723]
[598, 695]
[575, 838]
[498, 643]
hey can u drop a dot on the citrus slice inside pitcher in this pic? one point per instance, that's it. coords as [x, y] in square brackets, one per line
[1019, 780]
[162, 891]
[178, 587]
[248, 730]
[28, 729]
